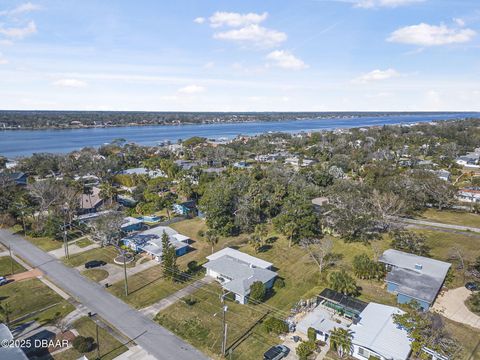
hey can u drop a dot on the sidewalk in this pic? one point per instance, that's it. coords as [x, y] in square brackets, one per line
[152, 310]
[72, 250]
[115, 272]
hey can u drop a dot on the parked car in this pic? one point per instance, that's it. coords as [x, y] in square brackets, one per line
[3, 280]
[472, 286]
[94, 263]
[276, 352]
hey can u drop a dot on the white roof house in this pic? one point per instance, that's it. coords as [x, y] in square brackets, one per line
[237, 271]
[376, 334]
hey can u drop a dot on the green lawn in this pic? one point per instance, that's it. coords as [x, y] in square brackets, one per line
[201, 323]
[83, 242]
[45, 243]
[146, 287]
[28, 296]
[452, 217]
[106, 254]
[6, 266]
[95, 274]
[109, 346]
[468, 337]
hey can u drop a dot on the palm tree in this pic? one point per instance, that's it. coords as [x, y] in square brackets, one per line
[342, 282]
[257, 239]
[341, 341]
[212, 238]
[108, 192]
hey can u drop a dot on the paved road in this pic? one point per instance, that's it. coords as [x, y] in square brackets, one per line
[439, 225]
[153, 338]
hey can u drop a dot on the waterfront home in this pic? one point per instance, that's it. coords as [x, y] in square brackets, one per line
[414, 278]
[150, 242]
[237, 271]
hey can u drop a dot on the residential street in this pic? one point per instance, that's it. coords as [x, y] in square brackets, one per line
[153, 338]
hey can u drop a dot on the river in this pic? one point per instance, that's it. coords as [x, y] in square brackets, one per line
[15, 143]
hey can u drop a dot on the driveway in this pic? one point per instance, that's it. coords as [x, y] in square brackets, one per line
[156, 340]
[451, 304]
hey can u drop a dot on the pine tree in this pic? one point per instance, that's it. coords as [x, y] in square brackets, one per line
[169, 259]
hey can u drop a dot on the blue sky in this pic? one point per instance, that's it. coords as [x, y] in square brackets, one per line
[240, 55]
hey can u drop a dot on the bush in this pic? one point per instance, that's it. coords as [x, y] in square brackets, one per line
[305, 349]
[193, 266]
[312, 334]
[83, 344]
[257, 292]
[279, 283]
[190, 301]
[276, 326]
[201, 233]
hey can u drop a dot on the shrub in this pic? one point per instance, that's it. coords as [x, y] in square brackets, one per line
[276, 326]
[305, 349]
[201, 233]
[190, 301]
[192, 266]
[312, 334]
[257, 292]
[279, 283]
[83, 344]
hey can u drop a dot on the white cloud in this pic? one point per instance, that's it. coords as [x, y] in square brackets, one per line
[431, 35]
[199, 20]
[22, 8]
[286, 60]
[232, 19]
[3, 61]
[209, 65]
[191, 89]
[377, 75]
[70, 83]
[253, 34]
[19, 33]
[367, 4]
[460, 22]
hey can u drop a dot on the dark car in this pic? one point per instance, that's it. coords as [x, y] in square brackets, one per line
[3, 280]
[94, 263]
[472, 286]
[276, 352]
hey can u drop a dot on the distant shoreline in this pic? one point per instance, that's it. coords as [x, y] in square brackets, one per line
[202, 118]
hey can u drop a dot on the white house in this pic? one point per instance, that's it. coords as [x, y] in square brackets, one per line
[237, 271]
[377, 336]
[470, 195]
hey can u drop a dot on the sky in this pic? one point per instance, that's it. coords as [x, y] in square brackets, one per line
[240, 55]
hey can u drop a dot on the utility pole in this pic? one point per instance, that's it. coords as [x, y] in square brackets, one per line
[11, 259]
[224, 325]
[98, 342]
[65, 240]
[23, 221]
[125, 272]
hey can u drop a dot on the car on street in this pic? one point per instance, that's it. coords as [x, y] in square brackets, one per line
[3, 280]
[94, 263]
[472, 286]
[276, 352]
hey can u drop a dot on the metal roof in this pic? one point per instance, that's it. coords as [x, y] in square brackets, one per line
[345, 301]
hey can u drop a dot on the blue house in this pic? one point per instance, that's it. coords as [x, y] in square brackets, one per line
[131, 224]
[187, 208]
[414, 278]
[150, 242]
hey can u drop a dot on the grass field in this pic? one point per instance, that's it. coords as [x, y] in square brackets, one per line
[83, 242]
[452, 217]
[109, 346]
[147, 287]
[106, 254]
[95, 274]
[28, 296]
[6, 266]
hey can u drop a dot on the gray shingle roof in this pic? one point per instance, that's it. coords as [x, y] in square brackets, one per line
[241, 274]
